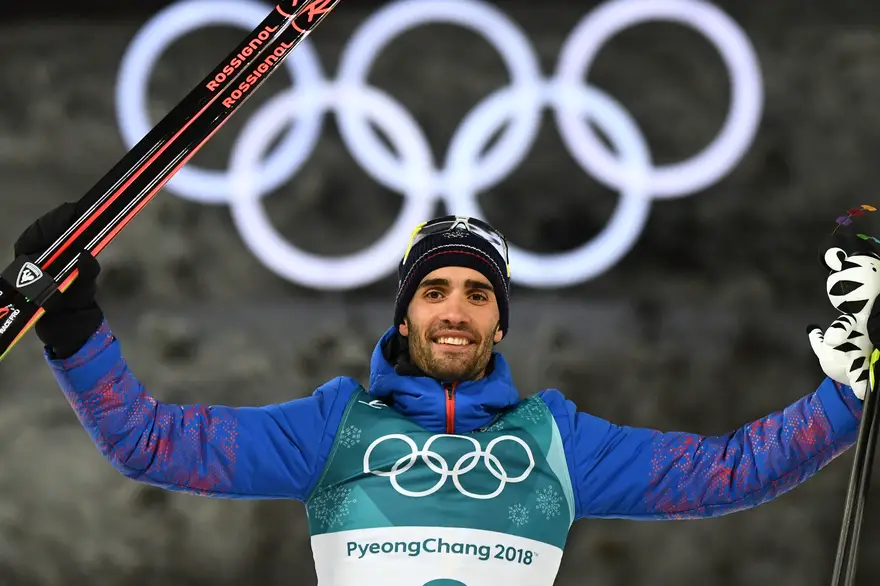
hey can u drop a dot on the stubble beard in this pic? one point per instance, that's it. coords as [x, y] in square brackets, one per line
[451, 368]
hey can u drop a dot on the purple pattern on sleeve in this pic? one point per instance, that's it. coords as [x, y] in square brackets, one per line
[189, 448]
[693, 476]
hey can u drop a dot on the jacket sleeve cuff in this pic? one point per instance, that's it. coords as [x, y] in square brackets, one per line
[98, 356]
[842, 407]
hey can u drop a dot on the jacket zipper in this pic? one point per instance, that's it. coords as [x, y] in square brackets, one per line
[450, 407]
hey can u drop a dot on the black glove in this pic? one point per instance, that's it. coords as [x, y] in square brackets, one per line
[73, 316]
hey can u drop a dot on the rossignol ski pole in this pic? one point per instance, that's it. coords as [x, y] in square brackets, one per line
[28, 284]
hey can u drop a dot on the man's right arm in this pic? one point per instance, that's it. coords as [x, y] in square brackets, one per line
[274, 451]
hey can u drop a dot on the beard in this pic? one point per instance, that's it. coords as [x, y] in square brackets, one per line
[452, 366]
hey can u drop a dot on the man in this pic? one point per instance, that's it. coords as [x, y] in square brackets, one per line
[439, 474]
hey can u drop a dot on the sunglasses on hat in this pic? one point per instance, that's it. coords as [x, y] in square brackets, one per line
[447, 224]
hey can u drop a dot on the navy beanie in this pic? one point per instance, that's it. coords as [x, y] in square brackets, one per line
[458, 248]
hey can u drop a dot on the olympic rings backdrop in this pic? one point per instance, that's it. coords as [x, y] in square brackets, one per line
[465, 169]
[664, 170]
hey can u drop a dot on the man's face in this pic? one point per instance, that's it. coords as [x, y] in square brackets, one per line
[452, 323]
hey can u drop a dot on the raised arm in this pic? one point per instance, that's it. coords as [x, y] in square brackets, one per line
[634, 473]
[275, 451]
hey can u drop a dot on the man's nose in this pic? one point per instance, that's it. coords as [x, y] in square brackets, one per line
[455, 310]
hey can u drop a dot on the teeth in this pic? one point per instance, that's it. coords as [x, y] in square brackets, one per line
[453, 341]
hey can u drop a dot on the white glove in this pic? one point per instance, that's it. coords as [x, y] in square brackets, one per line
[844, 349]
[844, 352]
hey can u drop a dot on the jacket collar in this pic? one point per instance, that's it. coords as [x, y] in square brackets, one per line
[424, 399]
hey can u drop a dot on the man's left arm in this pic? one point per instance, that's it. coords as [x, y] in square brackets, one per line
[635, 473]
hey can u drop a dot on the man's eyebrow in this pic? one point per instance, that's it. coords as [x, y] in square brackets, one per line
[434, 283]
[472, 284]
[469, 284]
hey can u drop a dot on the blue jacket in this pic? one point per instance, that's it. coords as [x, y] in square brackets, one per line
[278, 451]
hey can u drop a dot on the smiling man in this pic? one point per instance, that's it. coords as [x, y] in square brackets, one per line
[452, 324]
[441, 473]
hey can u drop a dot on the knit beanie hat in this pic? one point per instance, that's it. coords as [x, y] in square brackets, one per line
[456, 248]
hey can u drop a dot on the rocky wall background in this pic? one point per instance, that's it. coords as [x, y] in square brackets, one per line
[701, 327]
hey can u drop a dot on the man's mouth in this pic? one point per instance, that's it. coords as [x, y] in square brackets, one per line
[452, 341]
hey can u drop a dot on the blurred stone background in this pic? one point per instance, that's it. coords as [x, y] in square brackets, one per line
[700, 328]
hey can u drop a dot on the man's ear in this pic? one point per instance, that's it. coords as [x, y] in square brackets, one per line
[498, 334]
[403, 328]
